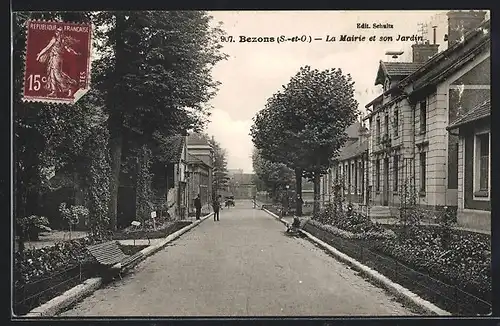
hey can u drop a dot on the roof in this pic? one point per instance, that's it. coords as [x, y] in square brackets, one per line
[480, 111]
[171, 149]
[483, 30]
[197, 139]
[353, 130]
[353, 150]
[193, 159]
[444, 62]
[395, 69]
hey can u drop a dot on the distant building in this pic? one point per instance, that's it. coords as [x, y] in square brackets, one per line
[176, 164]
[241, 185]
[200, 171]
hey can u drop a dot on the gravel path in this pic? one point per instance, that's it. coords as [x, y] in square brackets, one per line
[243, 265]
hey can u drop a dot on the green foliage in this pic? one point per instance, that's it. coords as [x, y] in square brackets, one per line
[350, 221]
[144, 194]
[304, 125]
[465, 261]
[159, 63]
[348, 232]
[220, 181]
[73, 214]
[445, 223]
[274, 176]
[37, 264]
[97, 178]
[31, 226]
[155, 71]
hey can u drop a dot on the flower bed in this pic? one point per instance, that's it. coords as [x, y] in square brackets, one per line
[363, 233]
[161, 232]
[350, 224]
[466, 262]
[420, 264]
[42, 274]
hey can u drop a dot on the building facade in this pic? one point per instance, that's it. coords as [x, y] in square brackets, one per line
[349, 169]
[200, 173]
[410, 146]
[474, 166]
[176, 165]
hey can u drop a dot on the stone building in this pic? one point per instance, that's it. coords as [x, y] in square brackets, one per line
[409, 142]
[349, 169]
[200, 170]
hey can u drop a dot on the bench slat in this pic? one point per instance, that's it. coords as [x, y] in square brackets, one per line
[132, 258]
[107, 253]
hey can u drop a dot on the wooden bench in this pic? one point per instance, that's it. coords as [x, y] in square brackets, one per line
[110, 256]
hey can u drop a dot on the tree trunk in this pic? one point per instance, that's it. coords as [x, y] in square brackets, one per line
[298, 187]
[113, 102]
[317, 190]
[115, 144]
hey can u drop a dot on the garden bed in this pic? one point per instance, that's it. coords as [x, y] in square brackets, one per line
[404, 265]
[161, 232]
[42, 274]
[46, 273]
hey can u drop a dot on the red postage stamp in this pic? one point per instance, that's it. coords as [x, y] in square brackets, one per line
[57, 62]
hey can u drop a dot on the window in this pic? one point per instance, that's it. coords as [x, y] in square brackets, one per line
[396, 122]
[422, 172]
[377, 175]
[423, 117]
[377, 130]
[395, 171]
[482, 165]
[360, 177]
[386, 125]
[352, 177]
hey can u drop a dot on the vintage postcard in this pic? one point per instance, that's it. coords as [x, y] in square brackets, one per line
[325, 163]
[57, 61]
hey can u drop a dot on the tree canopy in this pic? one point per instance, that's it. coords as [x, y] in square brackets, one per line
[303, 125]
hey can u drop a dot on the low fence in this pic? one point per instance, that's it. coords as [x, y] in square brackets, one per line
[448, 297]
[33, 294]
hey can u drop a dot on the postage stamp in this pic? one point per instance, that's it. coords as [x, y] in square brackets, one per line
[57, 61]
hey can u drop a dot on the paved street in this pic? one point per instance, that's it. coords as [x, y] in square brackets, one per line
[243, 265]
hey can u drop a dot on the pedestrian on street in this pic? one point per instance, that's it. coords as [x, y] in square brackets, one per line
[197, 206]
[216, 205]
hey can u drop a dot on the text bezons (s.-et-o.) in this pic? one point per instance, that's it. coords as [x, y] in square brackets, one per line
[328, 38]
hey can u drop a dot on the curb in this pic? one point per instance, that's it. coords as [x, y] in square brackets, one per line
[383, 281]
[74, 294]
[80, 291]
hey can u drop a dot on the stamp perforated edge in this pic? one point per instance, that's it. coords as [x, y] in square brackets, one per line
[30, 99]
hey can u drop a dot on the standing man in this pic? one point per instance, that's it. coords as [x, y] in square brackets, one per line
[216, 205]
[197, 206]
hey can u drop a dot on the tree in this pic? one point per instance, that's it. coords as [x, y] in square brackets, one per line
[311, 114]
[274, 176]
[155, 70]
[221, 176]
[48, 137]
[271, 136]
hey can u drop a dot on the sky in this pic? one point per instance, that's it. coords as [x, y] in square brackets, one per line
[254, 71]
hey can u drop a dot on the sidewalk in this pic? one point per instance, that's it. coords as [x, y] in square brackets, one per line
[59, 303]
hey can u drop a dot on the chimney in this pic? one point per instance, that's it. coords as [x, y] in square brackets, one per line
[363, 132]
[460, 22]
[423, 51]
